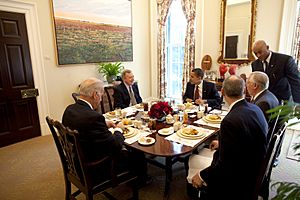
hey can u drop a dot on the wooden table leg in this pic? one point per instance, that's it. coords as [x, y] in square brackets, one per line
[168, 169]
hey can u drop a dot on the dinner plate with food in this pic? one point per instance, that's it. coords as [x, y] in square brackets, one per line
[146, 140]
[213, 118]
[111, 114]
[127, 122]
[129, 132]
[166, 131]
[190, 133]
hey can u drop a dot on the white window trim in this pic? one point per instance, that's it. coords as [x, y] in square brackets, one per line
[287, 26]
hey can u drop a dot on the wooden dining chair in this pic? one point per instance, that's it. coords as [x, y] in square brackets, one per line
[109, 91]
[263, 179]
[75, 96]
[78, 171]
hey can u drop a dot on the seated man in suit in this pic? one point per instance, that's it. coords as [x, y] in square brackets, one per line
[127, 93]
[241, 147]
[257, 85]
[97, 141]
[205, 92]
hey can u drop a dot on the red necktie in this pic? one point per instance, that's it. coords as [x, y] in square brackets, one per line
[196, 95]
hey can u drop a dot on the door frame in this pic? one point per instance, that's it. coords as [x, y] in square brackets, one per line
[36, 54]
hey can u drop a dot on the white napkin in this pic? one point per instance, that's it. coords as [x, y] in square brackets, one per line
[202, 122]
[188, 142]
[136, 137]
[141, 133]
[219, 112]
[198, 162]
[130, 110]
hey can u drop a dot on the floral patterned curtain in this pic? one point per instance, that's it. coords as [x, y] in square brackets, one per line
[189, 10]
[162, 10]
[296, 42]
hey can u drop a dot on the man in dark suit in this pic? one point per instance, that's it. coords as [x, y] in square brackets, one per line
[241, 148]
[127, 93]
[281, 70]
[201, 91]
[257, 85]
[97, 141]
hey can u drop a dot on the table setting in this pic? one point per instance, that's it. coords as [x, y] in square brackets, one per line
[190, 135]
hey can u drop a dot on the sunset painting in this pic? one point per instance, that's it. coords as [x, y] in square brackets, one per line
[92, 31]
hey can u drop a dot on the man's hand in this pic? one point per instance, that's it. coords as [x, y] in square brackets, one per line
[121, 125]
[189, 100]
[214, 145]
[110, 124]
[197, 182]
[200, 101]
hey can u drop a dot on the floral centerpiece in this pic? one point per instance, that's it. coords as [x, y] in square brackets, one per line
[160, 110]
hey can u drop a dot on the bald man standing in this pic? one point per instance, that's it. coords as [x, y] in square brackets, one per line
[281, 70]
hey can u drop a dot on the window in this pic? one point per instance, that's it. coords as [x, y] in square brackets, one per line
[296, 37]
[175, 36]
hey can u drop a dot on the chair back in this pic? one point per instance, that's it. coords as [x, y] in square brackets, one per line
[263, 179]
[107, 103]
[109, 91]
[78, 171]
[65, 141]
[75, 96]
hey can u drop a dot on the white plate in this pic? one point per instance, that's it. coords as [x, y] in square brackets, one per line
[110, 116]
[132, 132]
[166, 131]
[199, 135]
[146, 140]
[171, 122]
[207, 119]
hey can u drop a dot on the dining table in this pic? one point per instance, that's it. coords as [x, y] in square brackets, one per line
[170, 151]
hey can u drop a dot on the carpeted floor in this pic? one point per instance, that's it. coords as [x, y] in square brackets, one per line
[32, 170]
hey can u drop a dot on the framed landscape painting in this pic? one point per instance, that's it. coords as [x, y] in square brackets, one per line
[92, 31]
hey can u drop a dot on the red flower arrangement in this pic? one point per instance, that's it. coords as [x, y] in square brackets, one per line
[160, 109]
[227, 67]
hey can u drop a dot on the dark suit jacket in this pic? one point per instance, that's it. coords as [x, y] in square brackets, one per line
[122, 98]
[284, 76]
[209, 92]
[97, 141]
[242, 146]
[266, 101]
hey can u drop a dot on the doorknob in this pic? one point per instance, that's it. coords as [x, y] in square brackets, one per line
[29, 93]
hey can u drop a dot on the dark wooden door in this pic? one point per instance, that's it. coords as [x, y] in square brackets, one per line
[19, 118]
[231, 46]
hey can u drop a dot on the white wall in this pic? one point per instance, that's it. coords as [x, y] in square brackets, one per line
[61, 81]
[268, 24]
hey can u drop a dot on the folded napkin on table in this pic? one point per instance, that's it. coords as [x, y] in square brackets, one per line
[136, 137]
[188, 142]
[130, 110]
[141, 133]
[219, 112]
[202, 122]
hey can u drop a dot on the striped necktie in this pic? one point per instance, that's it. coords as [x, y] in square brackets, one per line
[132, 98]
[196, 95]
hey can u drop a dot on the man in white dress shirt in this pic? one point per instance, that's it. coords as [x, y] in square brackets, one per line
[201, 91]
